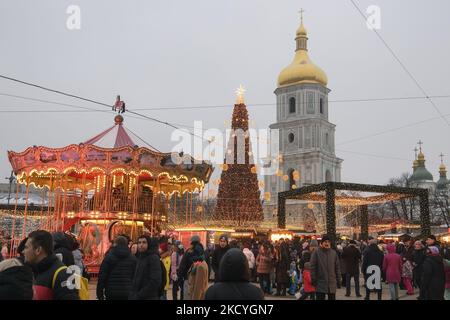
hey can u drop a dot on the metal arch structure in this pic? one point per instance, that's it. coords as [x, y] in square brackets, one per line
[331, 199]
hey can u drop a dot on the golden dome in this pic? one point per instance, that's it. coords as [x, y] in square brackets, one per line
[421, 156]
[442, 167]
[302, 69]
[301, 31]
[415, 164]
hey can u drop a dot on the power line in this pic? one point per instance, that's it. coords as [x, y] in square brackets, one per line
[51, 102]
[298, 103]
[228, 105]
[390, 130]
[93, 101]
[144, 141]
[54, 91]
[403, 66]
[190, 127]
[172, 124]
[373, 155]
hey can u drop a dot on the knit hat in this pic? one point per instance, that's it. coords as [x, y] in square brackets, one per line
[434, 250]
[314, 243]
[223, 237]
[433, 237]
[195, 238]
[325, 238]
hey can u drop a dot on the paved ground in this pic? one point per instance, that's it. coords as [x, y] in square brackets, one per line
[340, 295]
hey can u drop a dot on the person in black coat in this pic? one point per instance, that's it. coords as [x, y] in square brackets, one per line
[218, 253]
[433, 276]
[148, 275]
[418, 257]
[116, 272]
[282, 267]
[234, 283]
[351, 257]
[62, 247]
[51, 276]
[185, 264]
[373, 256]
[16, 280]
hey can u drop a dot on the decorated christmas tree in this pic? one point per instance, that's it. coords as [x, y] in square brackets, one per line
[238, 199]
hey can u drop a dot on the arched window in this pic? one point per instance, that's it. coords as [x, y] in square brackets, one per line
[310, 103]
[292, 105]
[328, 176]
[291, 137]
[321, 105]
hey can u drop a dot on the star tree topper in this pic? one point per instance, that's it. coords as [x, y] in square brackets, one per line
[240, 94]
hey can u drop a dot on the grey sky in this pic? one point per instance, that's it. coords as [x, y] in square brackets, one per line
[194, 53]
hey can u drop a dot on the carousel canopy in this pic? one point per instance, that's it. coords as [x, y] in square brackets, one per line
[115, 137]
[112, 152]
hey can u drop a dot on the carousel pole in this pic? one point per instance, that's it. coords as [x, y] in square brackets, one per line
[107, 192]
[102, 199]
[153, 206]
[13, 231]
[190, 207]
[55, 206]
[83, 194]
[42, 224]
[49, 201]
[26, 209]
[136, 207]
[159, 204]
[59, 200]
[186, 208]
[175, 205]
[63, 215]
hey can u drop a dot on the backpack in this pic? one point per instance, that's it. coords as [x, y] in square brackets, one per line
[83, 292]
[164, 278]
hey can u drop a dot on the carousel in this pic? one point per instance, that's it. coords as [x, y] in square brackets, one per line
[106, 186]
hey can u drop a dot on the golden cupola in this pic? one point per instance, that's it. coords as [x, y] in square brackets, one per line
[302, 69]
[420, 172]
[443, 182]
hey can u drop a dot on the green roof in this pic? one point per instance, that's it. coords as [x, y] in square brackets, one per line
[420, 174]
[442, 183]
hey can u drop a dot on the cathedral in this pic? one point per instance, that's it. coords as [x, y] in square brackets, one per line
[307, 138]
[422, 178]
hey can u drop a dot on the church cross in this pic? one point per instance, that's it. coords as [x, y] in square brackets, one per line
[301, 14]
[420, 143]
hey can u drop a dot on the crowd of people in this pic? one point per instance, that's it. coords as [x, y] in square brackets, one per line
[234, 270]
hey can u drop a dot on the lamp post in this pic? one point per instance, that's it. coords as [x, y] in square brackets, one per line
[11, 179]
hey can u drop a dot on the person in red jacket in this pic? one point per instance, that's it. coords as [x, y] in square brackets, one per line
[308, 289]
[392, 266]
